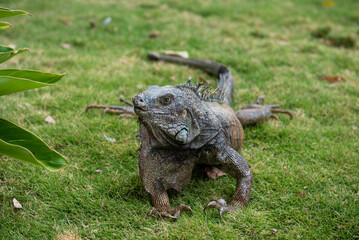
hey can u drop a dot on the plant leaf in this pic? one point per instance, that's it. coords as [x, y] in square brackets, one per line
[21, 144]
[15, 80]
[6, 12]
[7, 52]
[4, 25]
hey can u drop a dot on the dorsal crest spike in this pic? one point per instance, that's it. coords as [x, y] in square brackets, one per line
[189, 81]
[204, 92]
[198, 85]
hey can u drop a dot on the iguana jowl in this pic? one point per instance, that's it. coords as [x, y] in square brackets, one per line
[187, 125]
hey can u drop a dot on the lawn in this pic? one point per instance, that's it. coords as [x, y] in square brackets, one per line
[306, 171]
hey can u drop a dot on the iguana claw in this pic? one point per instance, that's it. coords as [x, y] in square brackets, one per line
[172, 213]
[259, 112]
[221, 205]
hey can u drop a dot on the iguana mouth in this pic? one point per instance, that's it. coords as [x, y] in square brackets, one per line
[182, 135]
[148, 109]
[139, 109]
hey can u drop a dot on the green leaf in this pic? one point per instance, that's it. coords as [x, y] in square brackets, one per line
[21, 144]
[4, 25]
[6, 12]
[7, 52]
[15, 80]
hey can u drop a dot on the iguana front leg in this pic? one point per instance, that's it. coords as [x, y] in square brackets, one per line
[162, 207]
[258, 112]
[237, 167]
[162, 169]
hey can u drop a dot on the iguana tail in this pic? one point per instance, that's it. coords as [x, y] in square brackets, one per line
[225, 78]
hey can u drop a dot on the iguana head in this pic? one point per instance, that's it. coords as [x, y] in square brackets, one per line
[169, 113]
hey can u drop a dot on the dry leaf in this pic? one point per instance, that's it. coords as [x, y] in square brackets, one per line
[92, 24]
[66, 45]
[274, 230]
[203, 80]
[328, 4]
[154, 35]
[333, 79]
[301, 194]
[282, 42]
[328, 43]
[16, 203]
[213, 172]
[50, 120]
[183, 54]
[347, 72]
[66, 21]
[67, 235]
[98, 171]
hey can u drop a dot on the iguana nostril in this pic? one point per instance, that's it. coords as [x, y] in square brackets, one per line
[139, 102]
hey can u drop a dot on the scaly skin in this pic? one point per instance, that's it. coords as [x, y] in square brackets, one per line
[186, 125]
[179, 132]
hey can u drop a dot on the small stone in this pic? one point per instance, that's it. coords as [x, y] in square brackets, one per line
[107, 21]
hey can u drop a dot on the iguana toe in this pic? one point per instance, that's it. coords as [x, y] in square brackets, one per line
[221, 205]
[165, 213]
[183, 207]
[170, 212]
[259, 112]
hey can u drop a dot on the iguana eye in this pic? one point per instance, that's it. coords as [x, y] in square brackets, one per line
[167, 99]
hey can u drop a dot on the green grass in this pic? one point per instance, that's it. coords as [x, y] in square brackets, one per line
[306, 171]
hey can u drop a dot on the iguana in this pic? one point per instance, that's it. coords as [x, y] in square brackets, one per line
[185, 125]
